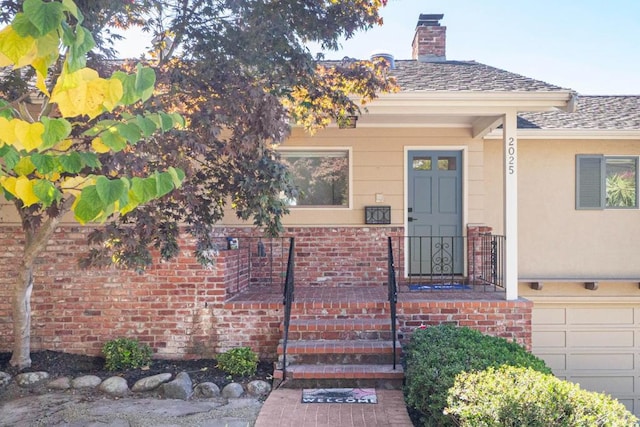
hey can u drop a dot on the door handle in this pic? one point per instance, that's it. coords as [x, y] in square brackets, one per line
[411, 219]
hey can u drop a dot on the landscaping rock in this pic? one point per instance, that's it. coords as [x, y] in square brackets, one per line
[207, 390]
[232, 390]
[258, 388]
[180, 388]
[62, 383]
[114, 386]
[5, 379]
[86, 381]
[30, 379]
[151, 383]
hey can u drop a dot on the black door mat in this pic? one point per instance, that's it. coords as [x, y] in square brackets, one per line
[339, 395]
[439, 287]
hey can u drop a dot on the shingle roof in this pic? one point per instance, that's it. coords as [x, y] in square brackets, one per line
[592, 112]
[463, 76]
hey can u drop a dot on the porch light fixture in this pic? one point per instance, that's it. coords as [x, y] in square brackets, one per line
[348, 122]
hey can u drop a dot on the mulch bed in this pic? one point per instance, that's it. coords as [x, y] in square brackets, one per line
[59, 364]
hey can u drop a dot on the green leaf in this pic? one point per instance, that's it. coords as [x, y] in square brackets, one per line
[44, 163]
[109, 190]
[124, 197]
[164, 183]
[45, 191]
[99, 127]
[68, 35]
[6, 110]
[25, 166]
[71, 162]
[55, 130]
[143, 189]
[177, 118]
[130, 131]
[24, 27]
[90, 159]
[112, 139]
[45, 17]
[147, 126]
[82, 43]
[157, 121]
[145, 82]
[10, 156]
[89, 205]
[177, 175]
[70, 6]
[167, 121]
[128, 81]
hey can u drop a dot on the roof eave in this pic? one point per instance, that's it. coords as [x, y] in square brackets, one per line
[627, 134]
[521, 101]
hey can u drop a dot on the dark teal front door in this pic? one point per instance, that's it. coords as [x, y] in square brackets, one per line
[435, 212]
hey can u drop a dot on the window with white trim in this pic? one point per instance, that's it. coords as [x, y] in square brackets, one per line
[322, 177]
[606, 182]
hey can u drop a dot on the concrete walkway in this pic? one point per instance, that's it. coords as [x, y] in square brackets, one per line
[283, 408]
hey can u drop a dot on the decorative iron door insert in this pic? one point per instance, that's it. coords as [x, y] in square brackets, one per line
[435, 213]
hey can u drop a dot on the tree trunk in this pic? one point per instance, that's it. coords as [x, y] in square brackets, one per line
[23, 287]
[36, 239]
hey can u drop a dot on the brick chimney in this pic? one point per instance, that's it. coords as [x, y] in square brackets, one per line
[429, 43]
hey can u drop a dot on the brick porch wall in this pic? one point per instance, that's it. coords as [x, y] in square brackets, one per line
[181, 309]
[331, 256]
[506, 319]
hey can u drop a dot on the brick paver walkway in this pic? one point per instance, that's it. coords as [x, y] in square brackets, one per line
[283, 408]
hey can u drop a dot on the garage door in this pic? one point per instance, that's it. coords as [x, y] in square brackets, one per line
[594, 344]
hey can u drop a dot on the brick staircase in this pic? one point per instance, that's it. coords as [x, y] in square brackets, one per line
[340, 344]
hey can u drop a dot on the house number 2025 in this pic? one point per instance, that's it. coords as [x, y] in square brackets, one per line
[511, 156]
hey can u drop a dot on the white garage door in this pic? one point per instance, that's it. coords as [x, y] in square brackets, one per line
[594, 344]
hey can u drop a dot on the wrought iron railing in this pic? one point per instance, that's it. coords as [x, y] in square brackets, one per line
[393, 297]
[458, 263]
[262, 261]
[288, 298]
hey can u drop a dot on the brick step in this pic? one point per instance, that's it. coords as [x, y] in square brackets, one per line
[340, 352]
[339, 329]
[352, 375]
[344, 308]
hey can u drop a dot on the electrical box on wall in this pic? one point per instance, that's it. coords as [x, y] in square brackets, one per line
[377, 214]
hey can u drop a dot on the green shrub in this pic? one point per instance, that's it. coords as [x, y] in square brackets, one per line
[435, 355]
[516, 396]
[126, 353]
[240, 361]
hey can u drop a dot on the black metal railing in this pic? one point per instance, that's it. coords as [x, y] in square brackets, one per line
[288, 298]
[262, 262]
[441, 263]
[393, 297]
[490, 267]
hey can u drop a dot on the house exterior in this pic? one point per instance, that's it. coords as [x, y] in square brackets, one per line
[463, 150]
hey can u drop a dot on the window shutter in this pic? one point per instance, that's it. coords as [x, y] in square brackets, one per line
[590, 183]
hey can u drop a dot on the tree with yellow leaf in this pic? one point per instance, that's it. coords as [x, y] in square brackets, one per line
[239, 71]
[50, 156]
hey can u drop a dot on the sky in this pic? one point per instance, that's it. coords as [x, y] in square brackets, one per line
[591, 46]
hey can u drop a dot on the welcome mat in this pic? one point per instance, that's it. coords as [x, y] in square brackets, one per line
[339, 395]
[439, 287]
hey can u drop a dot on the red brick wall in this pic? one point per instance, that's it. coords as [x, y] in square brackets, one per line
[327, 256]
[181, 309]
[506, 319]
[168, 306]
[177, 306]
